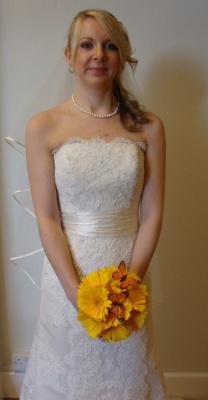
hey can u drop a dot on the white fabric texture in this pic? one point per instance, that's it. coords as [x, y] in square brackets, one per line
[92, 176]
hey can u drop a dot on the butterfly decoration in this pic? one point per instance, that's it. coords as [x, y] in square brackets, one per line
[126, 282]
[118, 298]
[121, 275]
[117, 307]
[118, 311]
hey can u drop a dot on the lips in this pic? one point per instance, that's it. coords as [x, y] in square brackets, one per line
[97, 69]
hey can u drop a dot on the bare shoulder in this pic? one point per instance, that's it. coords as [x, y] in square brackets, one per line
[40, 127]
[154, 130]
[155, 125]
[40, 123]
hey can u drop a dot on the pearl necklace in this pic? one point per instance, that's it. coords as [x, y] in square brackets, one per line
[92, 114]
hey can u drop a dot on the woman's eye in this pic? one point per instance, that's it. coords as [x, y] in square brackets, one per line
[111, 46]
[86, 45]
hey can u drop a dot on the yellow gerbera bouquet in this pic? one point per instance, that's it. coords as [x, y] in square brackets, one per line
[112, 302]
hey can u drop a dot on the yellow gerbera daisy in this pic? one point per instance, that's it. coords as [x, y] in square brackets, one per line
[136, 320]
[119, 332]
[138, 297]
[110, 270]
[92, 326]
[94, 279]
[94, 302]
[114, 286]
[134, 276]
[128, 308]
[110, 321]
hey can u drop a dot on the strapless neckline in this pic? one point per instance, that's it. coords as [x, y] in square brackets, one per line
[98, 139]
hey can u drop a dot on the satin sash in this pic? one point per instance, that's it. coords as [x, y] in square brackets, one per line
[104, 224]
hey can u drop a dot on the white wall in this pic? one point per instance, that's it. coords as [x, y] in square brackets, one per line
[170, 38]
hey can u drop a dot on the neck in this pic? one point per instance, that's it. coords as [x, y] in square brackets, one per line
[95, 101]
[95, 115]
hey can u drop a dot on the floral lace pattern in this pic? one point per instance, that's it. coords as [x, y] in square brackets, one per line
[65, 363]
[106, 175]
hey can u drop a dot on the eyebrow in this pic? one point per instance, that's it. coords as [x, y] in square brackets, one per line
[86, 37]
[90, 38]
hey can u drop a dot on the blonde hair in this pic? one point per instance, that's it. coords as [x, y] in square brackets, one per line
[117, 33]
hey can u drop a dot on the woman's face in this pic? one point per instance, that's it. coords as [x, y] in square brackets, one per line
[96, 62]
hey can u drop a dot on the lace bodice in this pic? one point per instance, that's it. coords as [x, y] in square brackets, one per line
[98, 175]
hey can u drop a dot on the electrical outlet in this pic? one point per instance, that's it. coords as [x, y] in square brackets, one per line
[20, 360]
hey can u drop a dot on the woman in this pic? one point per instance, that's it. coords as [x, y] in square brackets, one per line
[86, 159]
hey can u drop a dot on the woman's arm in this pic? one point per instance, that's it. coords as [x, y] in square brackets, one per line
[152, 201]
[40, 165]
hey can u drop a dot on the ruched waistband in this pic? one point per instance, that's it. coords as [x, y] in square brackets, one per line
[104, 224]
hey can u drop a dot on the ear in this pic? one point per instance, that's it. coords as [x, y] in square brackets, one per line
[68, 57]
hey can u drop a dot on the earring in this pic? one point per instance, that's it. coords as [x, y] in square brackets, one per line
[71, 70]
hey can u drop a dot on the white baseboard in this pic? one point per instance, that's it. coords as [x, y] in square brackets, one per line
[189, 385]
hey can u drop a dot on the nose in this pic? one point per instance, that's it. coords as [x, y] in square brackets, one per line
[99, 53]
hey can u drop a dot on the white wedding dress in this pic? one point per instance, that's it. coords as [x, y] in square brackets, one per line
[99, 185]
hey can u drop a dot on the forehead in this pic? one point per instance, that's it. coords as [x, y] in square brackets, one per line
[90, 28]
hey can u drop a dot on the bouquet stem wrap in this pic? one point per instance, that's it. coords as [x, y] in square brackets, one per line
[112, 303]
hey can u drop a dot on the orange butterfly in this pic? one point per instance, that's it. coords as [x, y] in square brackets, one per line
[121, 273]
[118, 311]
[128, 283]
[118, 298]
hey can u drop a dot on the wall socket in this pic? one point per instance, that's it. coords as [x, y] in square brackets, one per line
[20, 360]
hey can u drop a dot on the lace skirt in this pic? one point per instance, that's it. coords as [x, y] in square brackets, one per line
[66, 364]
